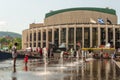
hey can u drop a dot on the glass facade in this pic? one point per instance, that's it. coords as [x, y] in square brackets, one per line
[63, 35]
[103, 36]
[73, 35]
[30, 36]
[94, 37]
[70, 37]
[56, 37]
[110, 36]
[86, 37]
[44, 36]
[117, 38]
[78, 36]
[39, 36]
[34, 36]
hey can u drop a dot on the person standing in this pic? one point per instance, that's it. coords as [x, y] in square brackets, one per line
[14, 53]
[26, 59]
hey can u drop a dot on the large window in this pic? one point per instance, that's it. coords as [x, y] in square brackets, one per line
[63, 35]
[50, 35]
[86, 37]
[110, 36]
[103, 36]
[34, 36]
[39, 36]
[39, 44]
[44, 35]
[56, 37]
[30, 44]
[79, 36]
[117, 38]
[71, 37]
[94, 37]
[30, 36]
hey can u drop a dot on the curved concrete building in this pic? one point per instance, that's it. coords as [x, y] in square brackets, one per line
[91, 27]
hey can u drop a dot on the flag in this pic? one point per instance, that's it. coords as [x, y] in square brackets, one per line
[100, 20]
[109, 21]
[92, 21]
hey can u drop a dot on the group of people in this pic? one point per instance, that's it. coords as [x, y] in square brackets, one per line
[15, 53]
[45, 52]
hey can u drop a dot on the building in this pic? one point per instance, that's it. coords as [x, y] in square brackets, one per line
[91, 27]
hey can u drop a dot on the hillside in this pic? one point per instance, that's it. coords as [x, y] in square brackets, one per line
[11, 34]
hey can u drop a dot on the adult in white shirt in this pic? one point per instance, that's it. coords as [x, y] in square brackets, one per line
[14, 53]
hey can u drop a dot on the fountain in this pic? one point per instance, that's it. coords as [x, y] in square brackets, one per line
[71, 59]
[61, 60]
[45, 59]
[77, 58]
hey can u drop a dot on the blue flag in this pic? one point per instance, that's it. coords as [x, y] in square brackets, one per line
[100, 20]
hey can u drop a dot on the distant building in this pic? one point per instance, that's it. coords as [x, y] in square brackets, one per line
[91, 27]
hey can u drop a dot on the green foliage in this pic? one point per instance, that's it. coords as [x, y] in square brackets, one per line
[10, 45]
[19, 42]
[9, 42]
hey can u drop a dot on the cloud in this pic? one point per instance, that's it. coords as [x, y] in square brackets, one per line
[3, 26]
[3, 23]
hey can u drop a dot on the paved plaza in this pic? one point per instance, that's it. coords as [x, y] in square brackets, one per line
[60, 69]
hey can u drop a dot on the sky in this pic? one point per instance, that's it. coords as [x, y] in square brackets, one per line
[16, 15]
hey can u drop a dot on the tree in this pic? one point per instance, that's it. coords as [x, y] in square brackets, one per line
[19, 41]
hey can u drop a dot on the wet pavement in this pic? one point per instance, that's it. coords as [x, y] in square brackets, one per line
[60, 70]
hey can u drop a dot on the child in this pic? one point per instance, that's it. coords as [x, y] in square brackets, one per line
[26, 59]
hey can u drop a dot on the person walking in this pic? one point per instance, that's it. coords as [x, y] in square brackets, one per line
[14, 53]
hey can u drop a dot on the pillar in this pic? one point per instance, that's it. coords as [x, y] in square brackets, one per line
[82, 36]
[90, 36]
[59, 35]
[67, 37]
[75, 37]
[99, 36]
[41, 38]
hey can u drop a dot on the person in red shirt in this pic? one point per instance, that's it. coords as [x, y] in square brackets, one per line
[26, 59]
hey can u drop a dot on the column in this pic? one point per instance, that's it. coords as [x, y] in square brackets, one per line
[99, 36]
[59, 35]
[28, 38]
[75, 37]
[53, 35]
[67, 37]
[47, 38]
[41, 38]
[90, 35]
[106, 33]
[36, 38]
[32, 38]
[113, 36]
[82, 36]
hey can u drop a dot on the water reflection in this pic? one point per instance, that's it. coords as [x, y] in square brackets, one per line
[26, 68]
[96, 70]
[90, 70]
[14, 73]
